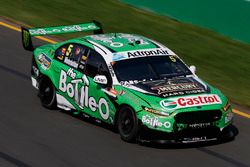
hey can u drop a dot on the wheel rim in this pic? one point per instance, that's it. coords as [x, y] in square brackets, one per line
[127, 122]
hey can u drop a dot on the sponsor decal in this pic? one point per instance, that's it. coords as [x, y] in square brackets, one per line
[141, 53]
[70, 62]
[175, 87]
[133, 39]
[154, 111]
[173, 94]
[101, 79]
[71, 73]
[179, 93]
[150, 52]
[194, 139]
[81, 93]
[128, 83]
[42, 31]
[84, 58]
[190, 101]
[178, 87]
[63, 51]
[82, 62]
[168, 104]
[111, 70]
[199, 125]
[154, 122]
[117, 56]
[81, 67]
[111, 92]
[110, 39]
[103, 38]
[62, 29]
[44, 60]
[60, 54]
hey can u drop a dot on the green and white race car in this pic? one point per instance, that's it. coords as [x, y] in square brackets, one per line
[134, 83]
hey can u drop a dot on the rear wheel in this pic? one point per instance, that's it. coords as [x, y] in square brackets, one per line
[47, 93]
[127, 124]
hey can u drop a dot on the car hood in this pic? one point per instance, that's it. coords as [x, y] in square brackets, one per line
[178, 93]
[178, 86]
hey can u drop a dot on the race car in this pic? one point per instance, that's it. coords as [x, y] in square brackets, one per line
[131, 82]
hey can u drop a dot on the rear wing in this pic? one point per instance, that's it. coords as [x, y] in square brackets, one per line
[28, 33]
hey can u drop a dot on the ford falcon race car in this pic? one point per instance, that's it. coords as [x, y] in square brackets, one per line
[129, 81]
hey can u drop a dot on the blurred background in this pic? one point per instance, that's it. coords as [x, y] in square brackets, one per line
[230, 18]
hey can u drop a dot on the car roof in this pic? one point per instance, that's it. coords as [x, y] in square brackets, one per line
[124, 46]
[120, 42]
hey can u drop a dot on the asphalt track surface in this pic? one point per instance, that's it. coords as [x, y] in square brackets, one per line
[31, 135]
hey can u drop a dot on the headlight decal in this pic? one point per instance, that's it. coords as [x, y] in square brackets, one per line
[153, 111]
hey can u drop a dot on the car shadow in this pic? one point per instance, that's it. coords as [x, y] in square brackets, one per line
[155, 145]
[90, 120]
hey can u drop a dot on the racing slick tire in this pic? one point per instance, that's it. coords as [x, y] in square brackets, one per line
[47, 93]
[127, 124]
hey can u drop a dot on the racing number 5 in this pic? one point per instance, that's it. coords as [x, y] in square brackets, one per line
[69, 50]
[172, 58]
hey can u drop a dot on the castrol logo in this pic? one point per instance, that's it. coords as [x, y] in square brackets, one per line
[190, 101]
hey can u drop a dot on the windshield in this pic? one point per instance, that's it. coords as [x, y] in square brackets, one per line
[150, 68]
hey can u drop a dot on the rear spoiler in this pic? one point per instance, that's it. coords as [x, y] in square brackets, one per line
[27, 33]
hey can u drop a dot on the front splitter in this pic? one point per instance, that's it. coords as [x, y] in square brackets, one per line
[207, 135]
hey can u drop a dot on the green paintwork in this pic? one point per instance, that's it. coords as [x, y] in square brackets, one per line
[63, 29]
[120, 42]
[126, 96]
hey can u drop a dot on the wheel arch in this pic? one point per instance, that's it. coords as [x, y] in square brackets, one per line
[118, 111]
[45, 80]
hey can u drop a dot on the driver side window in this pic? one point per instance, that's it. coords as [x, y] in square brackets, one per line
[73, 55]
[95, 64]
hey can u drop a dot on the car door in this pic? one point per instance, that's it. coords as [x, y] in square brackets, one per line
[68, 66]
[76, 87]
[101, 103]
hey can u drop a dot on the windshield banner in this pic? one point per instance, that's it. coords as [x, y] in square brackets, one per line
[142, 53]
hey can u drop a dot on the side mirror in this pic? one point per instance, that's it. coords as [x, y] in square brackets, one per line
[192, 69]
[101, 79]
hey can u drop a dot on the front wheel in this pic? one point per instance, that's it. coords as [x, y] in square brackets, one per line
[47, 93]
[127, 124]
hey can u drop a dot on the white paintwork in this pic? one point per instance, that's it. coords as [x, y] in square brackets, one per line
[34, 82]
[63, 103]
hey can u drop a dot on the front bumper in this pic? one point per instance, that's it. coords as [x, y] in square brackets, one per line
[147, 135]
[187, 127]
